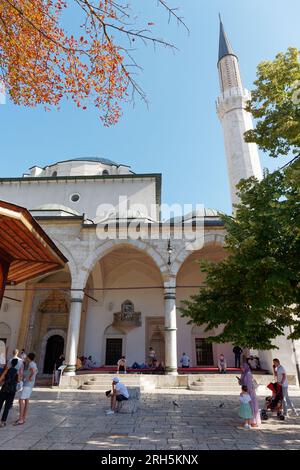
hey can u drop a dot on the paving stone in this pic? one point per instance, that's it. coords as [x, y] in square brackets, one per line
[76, 420]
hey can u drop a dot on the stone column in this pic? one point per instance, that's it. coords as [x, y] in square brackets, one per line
[170, 330]
[73, 332]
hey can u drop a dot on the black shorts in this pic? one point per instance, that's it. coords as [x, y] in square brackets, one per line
[121, 398]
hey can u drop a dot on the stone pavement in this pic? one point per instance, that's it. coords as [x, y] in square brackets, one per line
[76, 420]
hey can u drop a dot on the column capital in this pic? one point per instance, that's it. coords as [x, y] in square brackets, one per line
[76, 295]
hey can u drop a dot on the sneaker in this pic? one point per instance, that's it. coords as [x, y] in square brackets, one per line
[247, 426]
[2, 424]
[110, 412]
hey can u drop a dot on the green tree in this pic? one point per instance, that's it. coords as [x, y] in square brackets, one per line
[275, 104]
[254, 292]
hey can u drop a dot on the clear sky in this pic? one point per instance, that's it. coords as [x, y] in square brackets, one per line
[179, 135]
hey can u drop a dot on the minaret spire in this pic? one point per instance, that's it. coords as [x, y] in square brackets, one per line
[242, 158]
[224, 44]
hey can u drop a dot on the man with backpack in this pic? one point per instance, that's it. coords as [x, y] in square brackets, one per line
[8, 389]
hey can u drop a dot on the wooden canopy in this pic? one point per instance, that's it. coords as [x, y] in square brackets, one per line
[26, 251]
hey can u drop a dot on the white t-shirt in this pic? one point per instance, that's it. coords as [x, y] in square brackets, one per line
[280, 371]
[121, 389]
[19, 365]
[245, 398]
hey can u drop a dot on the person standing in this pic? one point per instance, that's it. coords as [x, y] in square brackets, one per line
[20, 363]
[23, 355]
[151, 356]
[8, 389]
[281, 377]
[222, 364]
[247, 380]
[30, 373]
[237, 351]
[58, 368]
[185, 360]
[245, 410]
[119, 393]
[121, 364]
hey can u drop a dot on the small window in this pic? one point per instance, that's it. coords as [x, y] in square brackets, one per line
[105, 172]
[54, 174]
[75, 197]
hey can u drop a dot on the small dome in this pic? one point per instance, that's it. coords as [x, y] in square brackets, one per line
[208, 212]
[56, 207]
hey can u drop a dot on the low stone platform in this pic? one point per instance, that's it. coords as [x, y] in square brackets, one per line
[147, 383]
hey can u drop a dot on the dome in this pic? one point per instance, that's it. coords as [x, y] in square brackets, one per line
[56, 207]
[208, 212]
[104, 161]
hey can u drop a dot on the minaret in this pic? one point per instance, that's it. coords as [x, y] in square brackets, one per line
[242, 158]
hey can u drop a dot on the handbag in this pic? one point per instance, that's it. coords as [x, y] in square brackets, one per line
[19, 387]
[255, 384]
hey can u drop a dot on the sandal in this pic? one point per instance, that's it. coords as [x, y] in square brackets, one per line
[2, 424]
[19, 423]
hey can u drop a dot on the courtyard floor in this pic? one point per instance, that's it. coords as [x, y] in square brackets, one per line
[76, 420]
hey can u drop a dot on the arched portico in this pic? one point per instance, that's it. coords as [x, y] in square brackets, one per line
[120, 270]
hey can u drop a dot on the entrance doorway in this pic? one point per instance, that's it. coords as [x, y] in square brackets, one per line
[54, 348]
[113, 351]
[204, 352]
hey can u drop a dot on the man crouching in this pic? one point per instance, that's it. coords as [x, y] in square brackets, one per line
[119, 393]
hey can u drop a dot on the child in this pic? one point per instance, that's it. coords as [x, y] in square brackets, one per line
[245, 410]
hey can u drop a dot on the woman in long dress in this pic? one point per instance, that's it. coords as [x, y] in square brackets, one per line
[247, 379]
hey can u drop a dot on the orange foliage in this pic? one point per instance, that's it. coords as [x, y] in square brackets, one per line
[41, 63]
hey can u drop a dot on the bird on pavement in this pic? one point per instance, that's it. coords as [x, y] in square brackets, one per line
[175, 403]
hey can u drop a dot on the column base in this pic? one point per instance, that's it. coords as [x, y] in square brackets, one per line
[171, 371]
[70, 370]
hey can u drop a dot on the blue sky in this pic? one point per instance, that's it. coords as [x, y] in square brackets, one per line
[179, 135]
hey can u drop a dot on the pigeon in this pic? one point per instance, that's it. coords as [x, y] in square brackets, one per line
[175, 403]
[221, 405]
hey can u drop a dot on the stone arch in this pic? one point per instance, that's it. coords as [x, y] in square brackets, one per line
[105, 248]
[215, 238]
[68, 254]
[44, 344]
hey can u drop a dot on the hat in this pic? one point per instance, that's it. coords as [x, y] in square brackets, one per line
[116, 380]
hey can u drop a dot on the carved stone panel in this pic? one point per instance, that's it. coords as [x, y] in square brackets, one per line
[127, 318]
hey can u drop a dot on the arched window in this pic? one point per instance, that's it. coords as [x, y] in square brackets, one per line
[105, 172]
[54, 174]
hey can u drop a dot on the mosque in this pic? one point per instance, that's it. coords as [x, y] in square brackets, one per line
[127, 271]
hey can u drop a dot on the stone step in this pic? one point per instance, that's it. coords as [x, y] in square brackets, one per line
[96, 387]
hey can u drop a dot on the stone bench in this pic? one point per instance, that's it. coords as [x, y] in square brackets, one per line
[130, 406]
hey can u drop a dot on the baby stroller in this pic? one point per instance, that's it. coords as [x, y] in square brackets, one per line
[273, 403]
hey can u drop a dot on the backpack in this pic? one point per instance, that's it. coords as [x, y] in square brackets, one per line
[10, 382]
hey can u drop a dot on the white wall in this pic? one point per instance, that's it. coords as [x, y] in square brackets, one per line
[33, 194]
[11, 313]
